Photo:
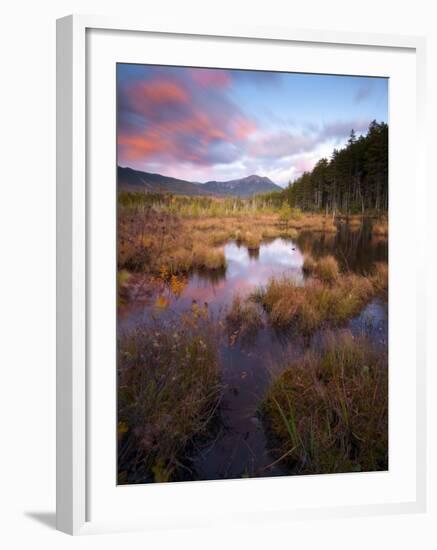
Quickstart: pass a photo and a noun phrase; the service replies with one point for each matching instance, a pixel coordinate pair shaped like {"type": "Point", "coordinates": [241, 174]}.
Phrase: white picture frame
{"type": "Point", "coordinates": [74, 460]}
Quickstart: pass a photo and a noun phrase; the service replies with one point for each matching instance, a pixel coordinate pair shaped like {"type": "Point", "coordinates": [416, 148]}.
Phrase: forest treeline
{"type": "Point", "coordinates": [354, 180]}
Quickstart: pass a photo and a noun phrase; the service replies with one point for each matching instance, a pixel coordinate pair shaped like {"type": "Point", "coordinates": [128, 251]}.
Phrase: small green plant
{"type": "Point", "coordinates": [285, 213]}
{"type": "Point", "coordinates": [296, 213]}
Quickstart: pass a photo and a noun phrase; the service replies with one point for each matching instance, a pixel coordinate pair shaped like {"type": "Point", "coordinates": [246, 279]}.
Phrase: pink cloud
{"type": "Point", "coordinates": [158, 92]}
{"type": "Point", "coordinates": [169, 119]}
{"type": "Point", "coordinates": [133, 147]}
{"type": "Point", "coordinates": [211, 78]}
{"type": "Point", "coordinates": [243, 127]}
{"type": "Point", "coordinates": [304, 164]}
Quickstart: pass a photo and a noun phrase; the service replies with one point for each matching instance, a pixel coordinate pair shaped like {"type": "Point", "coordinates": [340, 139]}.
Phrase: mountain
{"type": "Point", "coordinates": [134, 180]}
{"type": "Point", "coordinates": [243, 187]}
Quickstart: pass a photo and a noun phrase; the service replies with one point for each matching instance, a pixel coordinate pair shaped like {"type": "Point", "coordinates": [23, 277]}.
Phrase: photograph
{"type": "Point", "coordinates": [252, 273]}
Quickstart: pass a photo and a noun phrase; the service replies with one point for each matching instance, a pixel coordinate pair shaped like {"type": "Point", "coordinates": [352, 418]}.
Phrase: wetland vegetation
{"type": "Point", "coordinates": [245, 348]}
{"type": "Point", "coordinates": [252, 274]}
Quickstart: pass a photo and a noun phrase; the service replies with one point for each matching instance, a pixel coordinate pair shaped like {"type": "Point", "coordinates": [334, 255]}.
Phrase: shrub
{"type": "Point", "coordinates": [296, 213]}
{"type": "Point", "coordinates": [285, 213]}
{"type": "Point", "coordinates": [144, 235]}
{"type": "Point", "coordinates": [328, 412]}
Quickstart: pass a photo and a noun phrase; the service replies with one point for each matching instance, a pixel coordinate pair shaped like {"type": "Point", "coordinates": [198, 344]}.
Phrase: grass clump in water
{"type": "Point", "coordinates": [252, 240]}
{"type": "Point", "coordinates": [205, 257]}
{"type": "Point", "coordinates": [218, 237]}
{"type": "Point", "coordinates": [315, 304]}
{"type": "Point", "coordinates": [328, 412]}
{"type": "Point", "coordinates": [178, 261]}
{"type": "Point", "coordinates": [379, 279]}
{"type": "Point", "coordinates": [326, 269]}
{"type": "Point", "coordinates": [309, 264]}
{"type": "Point", "coordinates": [169, 390]}
{"type": "Point", "coordinates": [313, 222]}
{"type": "Point", "coordinates": [243, 320]}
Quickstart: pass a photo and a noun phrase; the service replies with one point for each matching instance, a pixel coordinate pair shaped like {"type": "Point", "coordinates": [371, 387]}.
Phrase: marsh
{"type": "Point", "coordinates": [252, 354]}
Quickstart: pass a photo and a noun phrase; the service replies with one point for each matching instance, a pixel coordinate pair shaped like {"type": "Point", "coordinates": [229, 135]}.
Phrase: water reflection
{"type": "Point", "coordinates": [245, 271]}
{"type": "Point", "coordinates": [253, 253]}
{"type": "Point", "coordinates": [241, 448]}
{"type": "Point", "coordinates": [355, 249]}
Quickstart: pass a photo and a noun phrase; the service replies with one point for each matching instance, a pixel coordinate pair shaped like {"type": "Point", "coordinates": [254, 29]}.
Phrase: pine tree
{"type": "Point", "coordinates": [354, 180]}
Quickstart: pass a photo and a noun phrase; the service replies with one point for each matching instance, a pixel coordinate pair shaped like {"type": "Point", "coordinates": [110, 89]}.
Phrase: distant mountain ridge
{"type": "Point", "coordinates": [135, 180]}
{"type": "Point", "coordinates": [243, 187]}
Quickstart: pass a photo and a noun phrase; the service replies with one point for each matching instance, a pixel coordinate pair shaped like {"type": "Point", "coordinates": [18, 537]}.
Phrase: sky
{"type": "Point", "coordinates": [201, 124]}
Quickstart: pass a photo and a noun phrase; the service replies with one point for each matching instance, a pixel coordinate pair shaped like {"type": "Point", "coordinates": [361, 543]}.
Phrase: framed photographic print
{"type": "Point", "coordinates": [240, 275]}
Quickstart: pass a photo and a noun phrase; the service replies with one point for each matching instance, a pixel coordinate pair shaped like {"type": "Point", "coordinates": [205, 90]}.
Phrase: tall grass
{"type": "Point", "coordinates": [208, 258]}
{"type": "Point", "coordinates": [316, 304]}
{"type": "Point", "coordinates": [156, 231]}
{"type": "Point", "coordinates": [379, 278]}
{"type": "Point", "coordinates": [252, 240]}
{"type": "Point", "coordinates": [326, 269]}
{"type": "Point", "coordinates": [243, 320]}
{"type": "Point", "coordinates": [152, 241]}
{"type": "Point", "coordinates": [328, 412]}
{"type": "Point", "coordinates": [309, 264]}
{"type": "Point", "coordinates": [168, 393]}
{"type": "Point", "coordinates": [313, 222]}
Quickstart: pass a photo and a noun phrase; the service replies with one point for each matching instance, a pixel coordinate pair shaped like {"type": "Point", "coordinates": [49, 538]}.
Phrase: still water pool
{"type": "Point", "coordinates": [240, 447]}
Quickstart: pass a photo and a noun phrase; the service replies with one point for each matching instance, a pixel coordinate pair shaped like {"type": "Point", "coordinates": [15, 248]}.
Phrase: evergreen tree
{"type": "Point", "coordinates": [354, 180]}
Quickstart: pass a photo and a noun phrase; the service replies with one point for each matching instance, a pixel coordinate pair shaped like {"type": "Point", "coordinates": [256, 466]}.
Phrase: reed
{"type": "Point", "coordinates": [328, 411]}
{"type": "Point", "coordinates": [326, 269]}
{"type": "Point", "coordinates": [315, 304]}
{"type": "Point", "coordinates": [243, 320]}
{"type": "Point", "coordinates": [169, 390]}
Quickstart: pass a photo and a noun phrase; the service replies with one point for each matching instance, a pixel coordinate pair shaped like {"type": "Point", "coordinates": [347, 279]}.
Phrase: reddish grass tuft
{"type": "Point", "coordinates": [328, 412]}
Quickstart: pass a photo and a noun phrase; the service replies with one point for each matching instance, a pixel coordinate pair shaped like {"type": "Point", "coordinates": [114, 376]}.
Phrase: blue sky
{"type": "Point", "coordinates": [219, 124]}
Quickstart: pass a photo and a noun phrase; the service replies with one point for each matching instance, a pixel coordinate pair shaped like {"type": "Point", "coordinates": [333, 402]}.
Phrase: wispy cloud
{"type": "Point", "coordinates": [201, 124]}
{"type": "Point", "coordinates": [363, 92]}
{"type": "Point", "coordinates": [181, 120]}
